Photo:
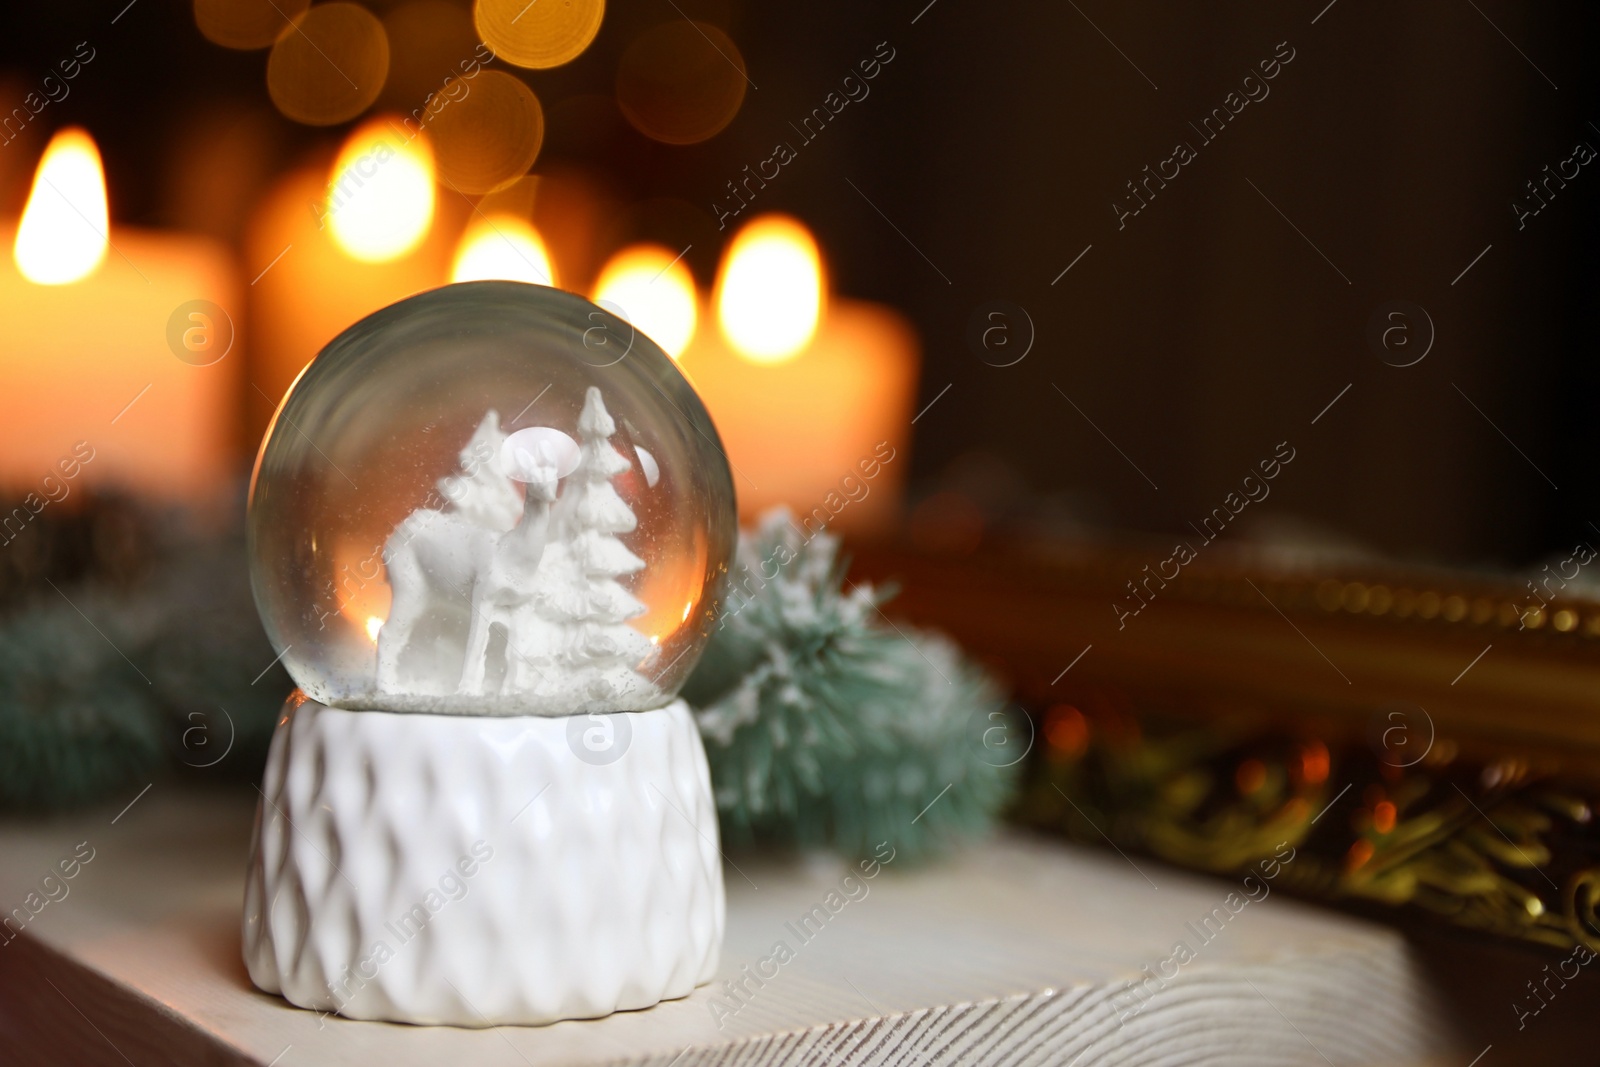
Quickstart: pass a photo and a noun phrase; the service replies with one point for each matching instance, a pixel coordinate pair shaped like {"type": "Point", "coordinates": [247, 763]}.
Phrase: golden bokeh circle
{"type": "Point", "coordinates": [538, 33]}
{"type": "Point", "coordinates": [330, 65]}
{"type": "Point", "coordinates": [490, 137]}
{"type": "Point", "coordinates": [681, 82]}
{"type": "Point", "coordinates": [246, 24]}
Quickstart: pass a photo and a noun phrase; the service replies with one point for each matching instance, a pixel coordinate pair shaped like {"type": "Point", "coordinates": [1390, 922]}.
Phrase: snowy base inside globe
{"type": "Point", "coordinates": [558, 703]}
{"type": "Point", "coordinates": [483, 870]}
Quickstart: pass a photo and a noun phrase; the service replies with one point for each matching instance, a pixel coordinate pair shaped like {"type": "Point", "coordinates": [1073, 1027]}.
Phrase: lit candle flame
{"type": "Point", "coordinates": [656, 293]}
{"type": "Point", "coordinates": [769, 294]}
{"type": "Point", "coordinates": [381, 194]}
{"type": "Point", "coordinates": [64, 230]}
{"type": "Point", "coordinates": [374, 624]}
{"type": "Point", "coordinates": [502, 248]}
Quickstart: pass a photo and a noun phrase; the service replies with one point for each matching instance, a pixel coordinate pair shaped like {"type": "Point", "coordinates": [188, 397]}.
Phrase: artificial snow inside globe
{"type": "Point", "coordinates": [487, 529]}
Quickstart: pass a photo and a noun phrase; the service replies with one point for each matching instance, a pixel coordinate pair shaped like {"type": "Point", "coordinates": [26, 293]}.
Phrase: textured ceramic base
{"type": "Point", "coordinates": [479, 871]}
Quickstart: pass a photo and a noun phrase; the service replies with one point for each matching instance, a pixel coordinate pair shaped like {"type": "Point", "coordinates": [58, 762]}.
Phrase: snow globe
{"type": "Point", "coordinates": [487, 528]}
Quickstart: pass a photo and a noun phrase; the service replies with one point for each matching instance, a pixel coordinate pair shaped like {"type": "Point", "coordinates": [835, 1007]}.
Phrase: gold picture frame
{"type": "Point", "coordinates": [1427, 739]}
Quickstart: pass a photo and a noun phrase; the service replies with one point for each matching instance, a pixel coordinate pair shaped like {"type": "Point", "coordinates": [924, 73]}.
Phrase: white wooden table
{"type": "Point", "coordinates": [1019, 951]}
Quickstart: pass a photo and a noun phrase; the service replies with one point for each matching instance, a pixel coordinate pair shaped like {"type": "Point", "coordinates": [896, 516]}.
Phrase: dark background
{"type": "Point", "coordinates": [1196, 338]}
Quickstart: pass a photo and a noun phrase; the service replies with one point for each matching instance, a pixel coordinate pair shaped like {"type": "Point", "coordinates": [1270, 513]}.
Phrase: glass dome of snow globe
{"type": "Point", "coordinates": [492, 498]}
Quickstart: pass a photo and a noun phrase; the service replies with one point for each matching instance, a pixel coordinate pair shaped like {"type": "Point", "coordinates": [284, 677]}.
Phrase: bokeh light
{"type": "Point", "coordinates": [502, 248]}
{"type": "Point", "coordinates": [381, 194]}
{"type": "Point", "coordinates": [490, 137]}
{"type": "Point", "coordinates": [656, 293]}
{"type": "Point", "coordinates": [681, 82]}
{"type": "Point", "coordinates": [330, 65]}
{"type": "Point", "coordinates": [538, 35]}
{"type": "Point", "coordinates": [769, 290]}
{"type": "Point", "coordinates": [246, 24]}
{"type": "Point", "coordinates": [65, 226]}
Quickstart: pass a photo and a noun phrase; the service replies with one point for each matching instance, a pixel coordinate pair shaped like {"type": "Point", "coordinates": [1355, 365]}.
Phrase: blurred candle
{"type": "Point", "coordinates": [654, 291]}
{"type": "Point", "coordinates": [118, 349]}
{"type": "Point", "coordinates": [502, 247]}
{"type": "Point", "coordinates": [332, 245]}
{"type": "Point", "coordinates": [812, 395]}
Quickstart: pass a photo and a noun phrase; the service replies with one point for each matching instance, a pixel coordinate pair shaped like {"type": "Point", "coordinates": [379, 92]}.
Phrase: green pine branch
{"type": "Point", "coordinates": [826, 726]}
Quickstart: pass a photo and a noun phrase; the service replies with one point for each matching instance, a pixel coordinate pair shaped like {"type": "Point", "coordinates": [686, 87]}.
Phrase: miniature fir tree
{"type": "Point", "coordinates": [584, 595]}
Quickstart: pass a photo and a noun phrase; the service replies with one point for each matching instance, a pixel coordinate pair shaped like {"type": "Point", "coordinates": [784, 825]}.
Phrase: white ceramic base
{"type": "Point", "coordinates": [480, 871]}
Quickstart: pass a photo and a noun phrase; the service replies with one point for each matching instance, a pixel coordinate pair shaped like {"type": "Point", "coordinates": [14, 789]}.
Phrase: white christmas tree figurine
{"type": "Point", "coordinates": [574, 635]}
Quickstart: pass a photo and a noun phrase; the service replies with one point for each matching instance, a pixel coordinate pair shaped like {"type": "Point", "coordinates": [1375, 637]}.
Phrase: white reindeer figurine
{"type": "Point", "coordinates": [503, 581]}
{"type": "Point", "coordinates": [437, 559]}
{"type": "Point", "coordinates": [431, 555]}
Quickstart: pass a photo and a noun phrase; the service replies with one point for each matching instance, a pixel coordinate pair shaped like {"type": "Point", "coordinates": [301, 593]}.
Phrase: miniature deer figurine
{"type": "Point", "coordinates": [431, 555]}
{"type": "Point", "coordinates": [504, 580]}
